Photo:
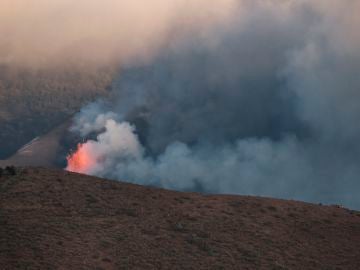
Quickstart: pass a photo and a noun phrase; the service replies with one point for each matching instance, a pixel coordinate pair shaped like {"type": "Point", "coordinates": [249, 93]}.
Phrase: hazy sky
{"type": "Point", "coordinates": [40, 33]}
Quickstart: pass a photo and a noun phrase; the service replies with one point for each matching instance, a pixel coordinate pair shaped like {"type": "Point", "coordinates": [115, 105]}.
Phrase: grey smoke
{"type": "Point", "coordinates": [266, 105]}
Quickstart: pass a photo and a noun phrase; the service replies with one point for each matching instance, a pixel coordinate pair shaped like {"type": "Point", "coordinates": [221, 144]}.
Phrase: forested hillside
{"type": "Point", "coordinates": [33, 102]}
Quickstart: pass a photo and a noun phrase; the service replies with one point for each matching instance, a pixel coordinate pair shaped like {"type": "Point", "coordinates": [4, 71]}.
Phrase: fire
{"type": "Point", "coordinates": [81, 160]}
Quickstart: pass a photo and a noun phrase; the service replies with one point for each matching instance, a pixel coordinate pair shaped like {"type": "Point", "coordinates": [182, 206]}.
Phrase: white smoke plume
{"type": "Point", "coordinates": [243, 165]}
{"type": "Point", "coordinates": [266, 103]}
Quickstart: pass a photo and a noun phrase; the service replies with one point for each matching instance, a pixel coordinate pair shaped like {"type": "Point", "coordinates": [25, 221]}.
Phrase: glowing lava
{"type": "Point", "coordinates": [81, 161]}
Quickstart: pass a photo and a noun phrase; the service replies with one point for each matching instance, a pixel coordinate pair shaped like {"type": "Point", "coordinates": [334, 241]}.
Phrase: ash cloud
{"type": "Point", "coordinates": [265, 104]}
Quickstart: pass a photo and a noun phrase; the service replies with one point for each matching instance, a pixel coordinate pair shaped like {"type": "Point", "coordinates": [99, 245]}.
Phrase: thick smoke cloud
{"type": "Point", "coordinates": [83, 33]}
{"type": "Point", "coordinates": [266, 104]}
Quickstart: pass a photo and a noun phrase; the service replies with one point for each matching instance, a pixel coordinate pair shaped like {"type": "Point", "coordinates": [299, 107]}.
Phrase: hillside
{"type": "Point", "coordinates": [34, 102]}
{"type": "Point", "coordinates": [42, 151]}
{"type": "Point", "coordinates": [53, 219]}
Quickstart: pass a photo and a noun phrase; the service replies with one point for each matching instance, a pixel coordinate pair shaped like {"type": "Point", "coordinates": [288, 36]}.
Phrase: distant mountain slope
{"type": "Point", "coordinates": [59, 220]}
{"type": "Point", "coordinates": [41, 151]}
{"type": "Point", "coordinates": [34, 102]}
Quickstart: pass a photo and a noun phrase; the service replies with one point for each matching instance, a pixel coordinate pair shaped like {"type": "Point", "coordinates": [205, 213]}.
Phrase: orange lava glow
{"type": "Point", "coordinates": [81, 160]}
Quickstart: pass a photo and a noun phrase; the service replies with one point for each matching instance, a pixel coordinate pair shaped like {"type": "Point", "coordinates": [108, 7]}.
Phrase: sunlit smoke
{"type": "Point", "coordinates": [82, 33]}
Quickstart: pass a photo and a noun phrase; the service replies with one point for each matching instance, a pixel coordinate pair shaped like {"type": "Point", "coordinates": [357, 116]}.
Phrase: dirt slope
{"type": "Point", "coordinates": [53, 219]}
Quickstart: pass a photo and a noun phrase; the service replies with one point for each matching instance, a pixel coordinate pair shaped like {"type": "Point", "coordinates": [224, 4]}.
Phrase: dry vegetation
{"type": "Point", "coordinates": [58, 220]}
{"type": "Point", "coordinates": [33, 102]}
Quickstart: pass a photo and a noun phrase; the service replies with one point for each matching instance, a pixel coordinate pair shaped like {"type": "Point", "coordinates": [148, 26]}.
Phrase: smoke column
{"type": "Point", "coordinates": [266, 103]}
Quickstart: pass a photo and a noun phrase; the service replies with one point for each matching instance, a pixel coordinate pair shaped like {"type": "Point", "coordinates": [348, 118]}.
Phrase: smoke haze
{"type": "Point", "coordinates": [247, 97]}
{"type": "Point", "coordinates": [58, 33]}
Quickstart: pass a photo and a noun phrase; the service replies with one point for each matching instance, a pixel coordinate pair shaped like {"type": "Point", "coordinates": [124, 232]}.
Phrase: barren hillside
{"type": "Point", "coordinates": [53, 219]}
{"type": "Point", "coordinates": [34, 102]}
{"type": "Point", "coordinates": [41, 151]}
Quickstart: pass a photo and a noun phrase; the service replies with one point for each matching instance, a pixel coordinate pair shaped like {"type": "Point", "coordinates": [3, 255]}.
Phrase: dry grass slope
{"type": "Point", "coordinates": [53, 219]}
